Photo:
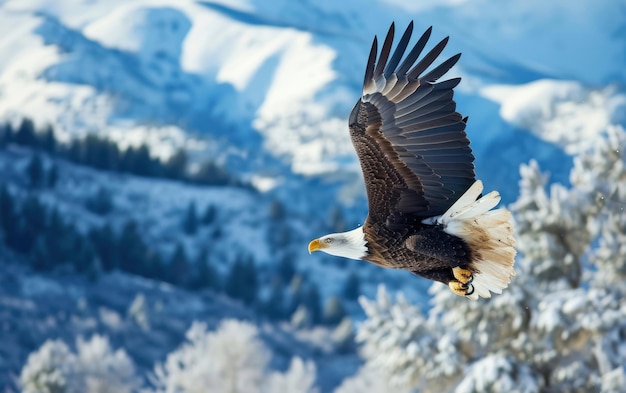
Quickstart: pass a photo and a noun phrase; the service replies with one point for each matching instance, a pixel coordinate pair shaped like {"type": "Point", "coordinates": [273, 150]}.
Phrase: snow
{"type": "Point", "coordinates": [499, 374]}
{"type": "Point", "coordinates": [563, 112]}
{"type": "Point", "coordinates": [300, 377]}
{"type": "Point", "coordinates": [164, 141]}
{"type": "Point", "coordinates": [95, 367]}
{"type": "Point", "coordinates": [232, 358]}
{"type": "Point", "coordinates": [36, 285]}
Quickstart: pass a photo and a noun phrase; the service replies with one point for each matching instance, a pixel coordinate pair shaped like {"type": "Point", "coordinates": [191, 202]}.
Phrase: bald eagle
{"type": "Point", "coordinates": [426, 213]}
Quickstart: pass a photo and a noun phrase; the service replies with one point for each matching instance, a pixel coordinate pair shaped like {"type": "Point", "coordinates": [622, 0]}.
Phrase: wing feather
{"type": "Point", "coordinates": [384, 53]}
{"type": "Point", "coordinates": [368, 81]}
{"type": "Point", "coordinates": [399, 51]}
{"type": "Point", "coordinates": [428, 60]}
{"type": "Point", "coordinates": [441, 69]}
{"type": "Point", "coordinates": [415, 52]}
{"type": "Point", "coordinates": [410, 139]}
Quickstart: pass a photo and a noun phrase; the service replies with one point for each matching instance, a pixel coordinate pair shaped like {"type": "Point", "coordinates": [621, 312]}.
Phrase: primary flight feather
{"type": "Point", "coordinates": [426, 211]}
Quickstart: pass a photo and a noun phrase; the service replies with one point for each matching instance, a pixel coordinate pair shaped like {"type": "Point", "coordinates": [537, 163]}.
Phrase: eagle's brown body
{"type": "Point", "coordinates": [428, 262]}
{"type": "Point", "coordinates": [396, 236]}
{"type": "Point", "coordinates": [426, 214]}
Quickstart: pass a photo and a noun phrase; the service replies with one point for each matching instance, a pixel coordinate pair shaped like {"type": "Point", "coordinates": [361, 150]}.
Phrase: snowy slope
{"type": "Point", "coordinates": [242, 226]}
{"type": "Point", "coordinates": [146, 319]}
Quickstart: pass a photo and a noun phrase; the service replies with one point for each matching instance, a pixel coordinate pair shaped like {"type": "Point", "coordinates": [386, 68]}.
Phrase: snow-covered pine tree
{"type": "Point", "coordinates": [231, 359]}
{"type": "Point", "coordinates": [370, 379]}
{"type": "Point", "coordinates": [95, 368]}
{"type": "Point", "coordinates": [561, 324]}
{"type": "Point", "coordinates": [50, 369]}
{"type": "Point", "coordinates": [299, 378]}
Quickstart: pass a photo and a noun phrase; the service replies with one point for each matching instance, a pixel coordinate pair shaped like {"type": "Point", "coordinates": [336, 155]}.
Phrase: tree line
{"type": "Point", "coordinates": [102, 153]}
{"type": "Point", "coordinates": [48, 240]}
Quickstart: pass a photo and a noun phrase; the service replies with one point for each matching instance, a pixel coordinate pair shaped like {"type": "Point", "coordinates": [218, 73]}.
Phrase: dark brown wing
{"type": "Point", "coordinates": [410, 140]}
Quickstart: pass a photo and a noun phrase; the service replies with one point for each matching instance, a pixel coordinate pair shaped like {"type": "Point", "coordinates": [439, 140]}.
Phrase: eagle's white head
{"type": "Point", "coordinates": [351, 244]}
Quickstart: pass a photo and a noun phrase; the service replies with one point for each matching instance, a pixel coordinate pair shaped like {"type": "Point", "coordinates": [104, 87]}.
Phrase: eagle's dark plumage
{"type": "Point", "coordinates": [425, 210]}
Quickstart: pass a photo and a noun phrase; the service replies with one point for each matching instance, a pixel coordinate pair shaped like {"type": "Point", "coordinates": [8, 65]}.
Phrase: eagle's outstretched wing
{"type": "Point", "coordinates": [410, 140]}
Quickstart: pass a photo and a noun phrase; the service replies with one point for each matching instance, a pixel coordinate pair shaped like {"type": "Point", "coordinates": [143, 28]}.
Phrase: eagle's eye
{"type": "Point", "coordinates": [328, 240]}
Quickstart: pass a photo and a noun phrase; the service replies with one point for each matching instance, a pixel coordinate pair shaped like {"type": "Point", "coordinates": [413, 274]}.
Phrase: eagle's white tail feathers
{"type": "Point", "coordinates": [488, 233]}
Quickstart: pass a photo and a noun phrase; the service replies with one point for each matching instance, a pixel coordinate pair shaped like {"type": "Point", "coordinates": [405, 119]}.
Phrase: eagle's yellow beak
{"type": "Point", "coordinates": [316, 245]}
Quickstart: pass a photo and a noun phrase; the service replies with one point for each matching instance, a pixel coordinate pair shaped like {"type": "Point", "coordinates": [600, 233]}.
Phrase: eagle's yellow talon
{"type": "Point", "coordinates": [457, 287]}
{"type": "Point", "coordinates": [460, 288]}
{"type": "Point", "coordinates": [464, 276]}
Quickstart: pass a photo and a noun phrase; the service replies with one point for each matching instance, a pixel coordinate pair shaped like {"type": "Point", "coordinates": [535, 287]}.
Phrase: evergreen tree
{"type": "Point", "coordinates": [84, 259]}
{"type": "Point", "coordinates": [277, 210]}
{"type": "Point", "coordinates": [35, 171]}
{"type": "Point", "coordinates": [190, 221]}
{"type": "Point", "coordinates": [205, 275]}
{"type": "Point", "coordinates": [242, 281]}
{"type": "Point", "coordinates": [40, 256]}
{"type": "Point", "coordinates": [155, 266]}
{"type": "Point", "coordinates": [53, 242]}
{"type": "Point", "coordinates": [286, 268]}
{"type": "Point", "coordinates": [233, 280]}
{"type": "Point", "coordinates": [132, 249]}
{"type": "Point", "coordinates": [48, 141]}
{"type": "Point", "coordinates": [99, 153]}
{"type": "Point", "coordinates": [128, 160]}
{"type": "Point", "coordinates": [210, 173]}
{"type": "Point", "coordinates": [59, 237]}
{"type": "Point", "coordinates": [143, 164]}
{"type": "Point", "coordinates": [105, 246]}
{"type": "Point", "coordinates": [73, 151]}
{"type": "Point", "coordinates": [279, 234]}
{"type": "Point", "coordinates": [101, 202]}
{"type": "Point", "coordinates": [8, 216]}
{"type": "Point", "coordinates": [53, 176]}
{"type": "Point", "coordinates": [352, 287]}
{"type": "Point", "coordinates": [77, 252]}
{"type": "Point", "coordinates": [25, 134]}
{"type": "Point", "coordinates": [31, 222]}
{"type": "Point", "coordinates": [312, 301]}
{"type": "Point", "coordinates": [250, 280]}
{"type": "Point", "coordinates": [176, 165]}
{"type": "Point", "coordinates": [208, 217]}
{"type": "Point", "coordinates": [273, 305]}
{"type": "Point", "coordinates": [6, 134]}
{"type": "Point", "coordinates": [179, 267]}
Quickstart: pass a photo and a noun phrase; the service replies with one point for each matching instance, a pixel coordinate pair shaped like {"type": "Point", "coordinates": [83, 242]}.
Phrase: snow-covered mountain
{"type": "Point", "coordinates": [264, 88]}
{"type": "Point", "coordinates": [268, 85]}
